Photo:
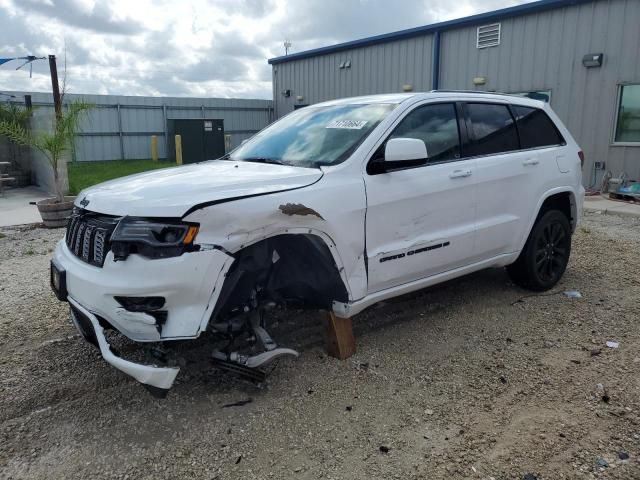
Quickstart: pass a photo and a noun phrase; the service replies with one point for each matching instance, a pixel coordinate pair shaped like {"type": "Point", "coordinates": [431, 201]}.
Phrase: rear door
{"type": "Point", "coordinates": [420, 221]}
{"type": "Point", "coordinates": [515, 164]}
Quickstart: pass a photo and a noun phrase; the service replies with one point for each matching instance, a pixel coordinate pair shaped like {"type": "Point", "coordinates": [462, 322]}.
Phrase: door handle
{"type": "Point", "coordinates": [530, 161]}
{"type": "Point", "coordinates": [460, 174]}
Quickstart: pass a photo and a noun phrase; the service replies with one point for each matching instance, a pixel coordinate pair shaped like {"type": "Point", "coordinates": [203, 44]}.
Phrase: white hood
{"type": "Point", "coordinates": [171, 192]}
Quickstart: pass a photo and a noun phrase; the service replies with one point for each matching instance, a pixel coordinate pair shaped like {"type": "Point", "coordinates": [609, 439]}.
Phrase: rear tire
{"type": "Point", "coordinates": [544, 257]}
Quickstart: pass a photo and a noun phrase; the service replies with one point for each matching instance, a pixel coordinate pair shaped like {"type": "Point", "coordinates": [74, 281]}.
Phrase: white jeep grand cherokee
{"type": "Point", "coordinates": [336, 206]}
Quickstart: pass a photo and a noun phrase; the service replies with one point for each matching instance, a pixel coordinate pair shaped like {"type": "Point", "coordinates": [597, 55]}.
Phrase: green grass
{"type": "Point", "coordinates": [86, 174]}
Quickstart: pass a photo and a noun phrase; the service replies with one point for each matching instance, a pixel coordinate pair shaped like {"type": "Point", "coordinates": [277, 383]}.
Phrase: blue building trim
{"type": "Point", "coordinates": [435, 61]}
{"type": "Point", "coordinates": [496, 15]}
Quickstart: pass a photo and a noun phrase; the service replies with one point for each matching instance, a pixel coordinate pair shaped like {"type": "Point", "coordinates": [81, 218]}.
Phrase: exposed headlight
{"type": "Point", "coordinates": [152, 238]}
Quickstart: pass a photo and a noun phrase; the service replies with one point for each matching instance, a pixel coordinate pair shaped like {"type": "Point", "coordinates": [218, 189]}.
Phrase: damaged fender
{"type": "Point", "coordinates": [310, 222]}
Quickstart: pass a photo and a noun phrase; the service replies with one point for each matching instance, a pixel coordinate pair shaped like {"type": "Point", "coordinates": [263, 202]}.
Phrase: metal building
{"type": "Point", "coordinates": [581, 55]}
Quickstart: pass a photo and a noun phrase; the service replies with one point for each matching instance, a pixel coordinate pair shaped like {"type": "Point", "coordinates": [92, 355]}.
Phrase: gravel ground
{"type": "Point", "coordinates": [472, 379]}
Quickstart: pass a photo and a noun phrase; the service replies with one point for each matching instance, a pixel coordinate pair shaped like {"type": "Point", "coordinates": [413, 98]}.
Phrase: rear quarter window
{"type": "Point", "coordinates": [535, 127]}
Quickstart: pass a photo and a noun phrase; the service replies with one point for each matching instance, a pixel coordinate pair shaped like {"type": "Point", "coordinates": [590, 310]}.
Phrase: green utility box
{"type": "Point", "coordinates": [202, 138]}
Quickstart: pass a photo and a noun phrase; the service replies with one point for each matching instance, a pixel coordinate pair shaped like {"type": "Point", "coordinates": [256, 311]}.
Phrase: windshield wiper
{"type": "Point", "coordinates": [274, 161]}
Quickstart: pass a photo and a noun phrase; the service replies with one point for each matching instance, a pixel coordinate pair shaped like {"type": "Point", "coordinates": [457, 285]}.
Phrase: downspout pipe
{"type": "Point", "coordinates": [435, 61]}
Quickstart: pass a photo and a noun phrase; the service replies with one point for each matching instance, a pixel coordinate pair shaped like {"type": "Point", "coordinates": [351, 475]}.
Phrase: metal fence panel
{"type": "Point", "coordinates": [120, 127]}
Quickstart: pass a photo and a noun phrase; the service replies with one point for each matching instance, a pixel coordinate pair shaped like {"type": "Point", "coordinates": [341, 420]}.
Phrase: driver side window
{"type": "Point", "coordinates": [437, 126]}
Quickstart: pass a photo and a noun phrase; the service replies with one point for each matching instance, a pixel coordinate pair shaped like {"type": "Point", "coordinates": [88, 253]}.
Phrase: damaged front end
{"type": "Point", "coordinates": [152, 282]}
{"type": "Point", "coordinates": [144, 278]}
{"type": "Point", "coordinates": [287, 271]}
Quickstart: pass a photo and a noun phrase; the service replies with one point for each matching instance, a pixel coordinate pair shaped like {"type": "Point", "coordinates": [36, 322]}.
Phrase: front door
{"type": "Point", "coordinates": [420, 221]}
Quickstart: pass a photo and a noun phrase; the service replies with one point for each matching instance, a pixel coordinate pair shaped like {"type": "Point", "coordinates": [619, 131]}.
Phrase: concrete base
{"type": "Point", "coordinates": [604, 205]}
{"type": "Point", "coordinates": [15, 208]}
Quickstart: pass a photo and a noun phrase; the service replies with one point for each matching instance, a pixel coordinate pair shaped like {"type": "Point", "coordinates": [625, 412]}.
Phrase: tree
{"type": "Point", "coordinates": [53, 145]}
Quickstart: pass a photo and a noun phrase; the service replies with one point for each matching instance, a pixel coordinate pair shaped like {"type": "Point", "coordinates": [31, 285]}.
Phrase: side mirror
{"type": "Point", "coordinates": [399, 153]}
{"type": "Point", "coordinates": [404, 150]}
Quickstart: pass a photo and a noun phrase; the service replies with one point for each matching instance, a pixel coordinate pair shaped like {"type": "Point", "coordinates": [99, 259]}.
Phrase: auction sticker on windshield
{"type": "Point", "coordinates": [349, 124]}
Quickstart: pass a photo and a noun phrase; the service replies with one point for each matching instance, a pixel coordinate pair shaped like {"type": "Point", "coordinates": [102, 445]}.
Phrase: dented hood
{"type": "Point", "coordinates": [172, 192]}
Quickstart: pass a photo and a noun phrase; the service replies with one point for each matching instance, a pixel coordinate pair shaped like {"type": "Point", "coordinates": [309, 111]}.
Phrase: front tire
{"type": "Point", "coordinates": [544, 257]}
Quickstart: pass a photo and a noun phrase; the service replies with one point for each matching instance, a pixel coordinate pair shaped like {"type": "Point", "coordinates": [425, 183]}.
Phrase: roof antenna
{"type": "Point", "coordinates": [287, 46]}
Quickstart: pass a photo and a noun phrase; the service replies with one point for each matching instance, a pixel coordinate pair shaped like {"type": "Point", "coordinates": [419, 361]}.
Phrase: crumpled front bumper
{"type": "Point", "coordinates": [190, 285]}
{"type": "Point", "coordinates": [159, 379]}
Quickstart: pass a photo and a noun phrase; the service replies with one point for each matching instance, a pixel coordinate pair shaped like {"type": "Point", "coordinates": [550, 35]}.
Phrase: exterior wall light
{"type": "Point", "coordinates": [591, 60]}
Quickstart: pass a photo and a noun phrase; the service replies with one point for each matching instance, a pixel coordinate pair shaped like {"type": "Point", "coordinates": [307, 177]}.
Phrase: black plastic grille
{"type": "Point", "coordinates": [88, 236]}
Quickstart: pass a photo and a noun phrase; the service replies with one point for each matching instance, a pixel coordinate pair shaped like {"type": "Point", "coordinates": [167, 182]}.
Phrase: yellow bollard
{"type": "Point", "coordinates": [178, 149]}
{"type": "Point", "coordinates": [154, 148]}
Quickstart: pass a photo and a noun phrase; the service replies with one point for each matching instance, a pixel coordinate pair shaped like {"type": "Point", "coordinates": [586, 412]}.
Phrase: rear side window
{"type": "Point", "coordinates": [437, 126]}
{"type": "Point", "coordinates": [536, 128]}
{"type": "Point", "coordinates": [493, 128]}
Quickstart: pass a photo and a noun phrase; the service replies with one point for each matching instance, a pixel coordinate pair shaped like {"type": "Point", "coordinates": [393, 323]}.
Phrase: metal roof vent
{"type": "Point", "coordinates": [488, 36]}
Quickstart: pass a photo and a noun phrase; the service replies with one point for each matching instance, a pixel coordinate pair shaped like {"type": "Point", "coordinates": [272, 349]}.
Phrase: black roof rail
{"type": "Point", "coordinates": [471, 91]}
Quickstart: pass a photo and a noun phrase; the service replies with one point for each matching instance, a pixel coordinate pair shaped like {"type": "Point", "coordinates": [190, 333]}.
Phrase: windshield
{"type": "Point", "coordinates": [313, 136]}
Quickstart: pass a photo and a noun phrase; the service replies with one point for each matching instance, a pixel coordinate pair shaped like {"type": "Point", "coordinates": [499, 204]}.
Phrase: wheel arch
{"type": "Point", "coordinates": [563, 200]}
{"type": "Point", "coordinates": [560, 198]}
{"type": "Point", "coordinates": [296, 263]}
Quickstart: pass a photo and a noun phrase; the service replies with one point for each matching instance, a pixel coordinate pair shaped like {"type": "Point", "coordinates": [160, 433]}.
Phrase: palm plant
{"type": "Point", "coordinates": [53, 145]}
{"type": "Point", "coordinates": [13, 112]}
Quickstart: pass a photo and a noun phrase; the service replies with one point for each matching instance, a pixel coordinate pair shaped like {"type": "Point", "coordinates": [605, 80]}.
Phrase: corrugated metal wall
{"type": "Point", "coordinates": [374, 69]}
{"type": "Point", "coordinates": [540, 51]}
{"type": "Point", "coordinates": [544, 51]}
{"type": "Point", "coordinates": [120, 127]}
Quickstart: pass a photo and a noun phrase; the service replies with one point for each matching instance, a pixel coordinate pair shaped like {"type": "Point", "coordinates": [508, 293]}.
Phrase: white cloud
{"type": "Point", "coordinates": [192, 47]}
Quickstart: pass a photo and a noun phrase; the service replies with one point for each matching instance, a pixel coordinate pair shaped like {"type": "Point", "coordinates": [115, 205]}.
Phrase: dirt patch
{"type": "Point", "coordinates": [472, 379]}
